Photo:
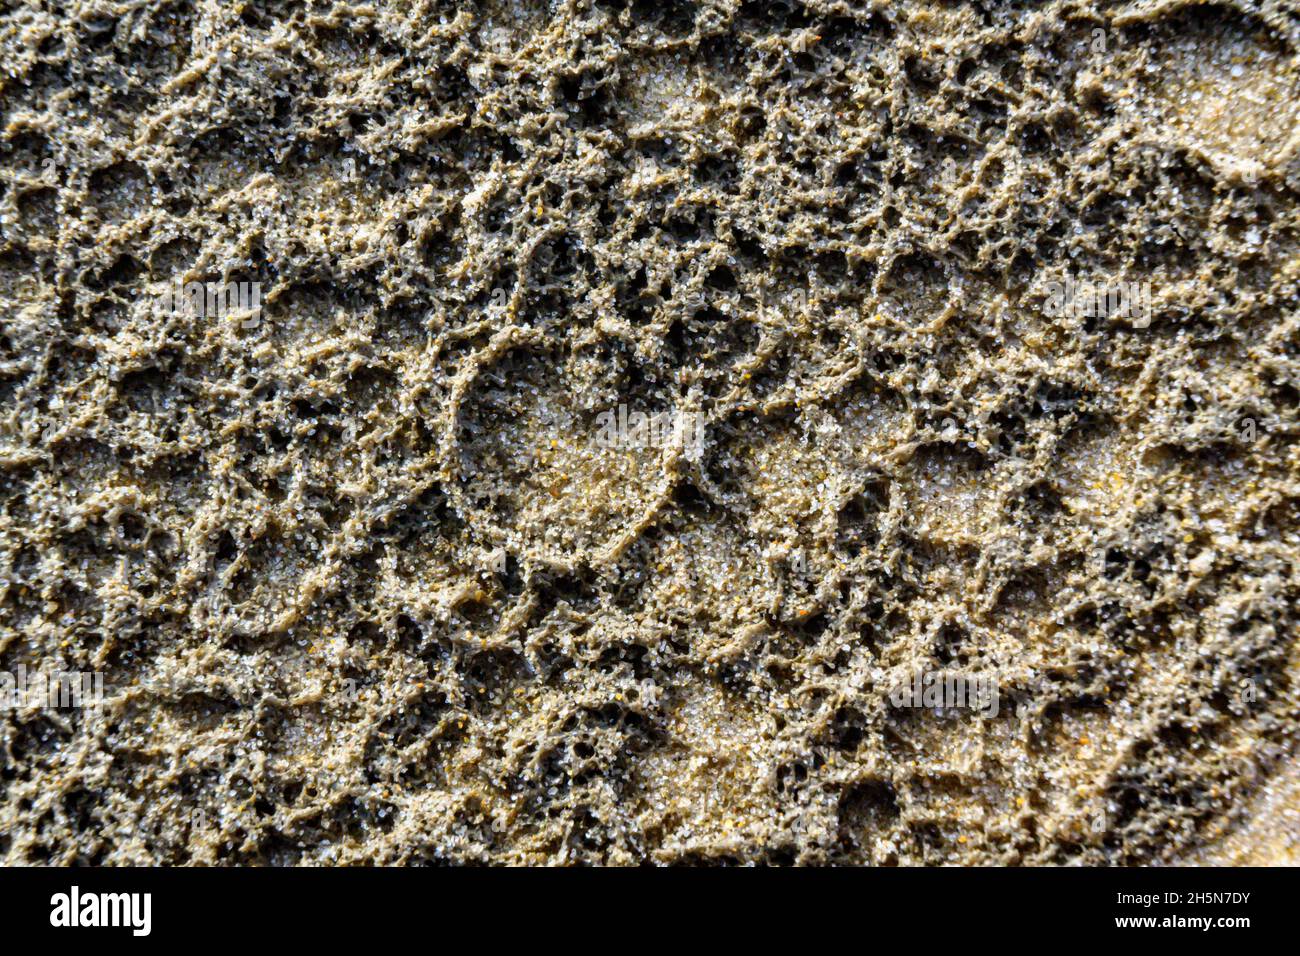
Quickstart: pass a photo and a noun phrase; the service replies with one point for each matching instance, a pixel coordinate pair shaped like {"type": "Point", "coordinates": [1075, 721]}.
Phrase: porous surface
{"type": "Point", "coordinates": [366, 587]}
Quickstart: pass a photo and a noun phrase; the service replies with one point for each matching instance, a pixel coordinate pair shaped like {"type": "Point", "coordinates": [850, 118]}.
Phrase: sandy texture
{"type": "Point", "coordinates": [367, 585]}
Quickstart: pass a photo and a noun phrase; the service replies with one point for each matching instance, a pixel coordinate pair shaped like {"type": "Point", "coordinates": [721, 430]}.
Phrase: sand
{"type": "Point", "coordinates": [386, 566]}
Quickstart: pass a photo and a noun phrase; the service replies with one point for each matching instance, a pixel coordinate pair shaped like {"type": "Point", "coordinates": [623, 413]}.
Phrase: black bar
{"type": "Point", "coordinates": [548, 907]}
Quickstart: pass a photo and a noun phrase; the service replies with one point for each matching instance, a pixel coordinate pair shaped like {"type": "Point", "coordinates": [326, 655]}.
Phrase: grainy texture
{"type": "Point", "coordinates": [828, 229]}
